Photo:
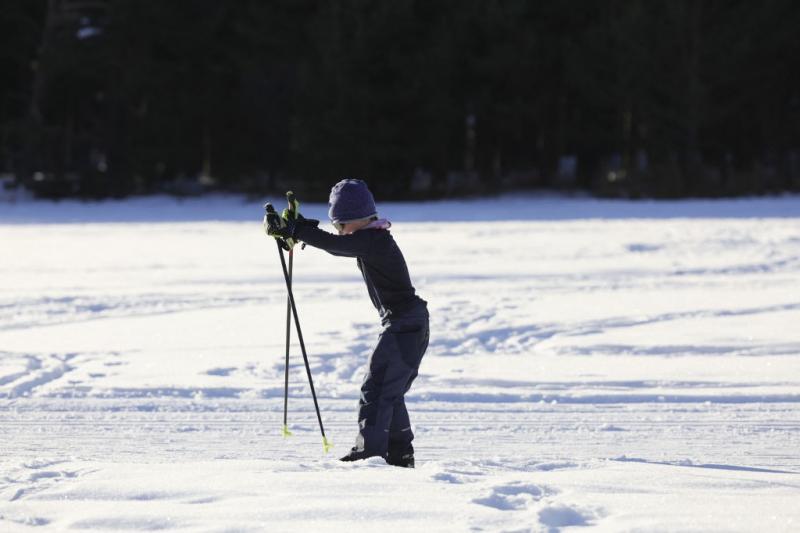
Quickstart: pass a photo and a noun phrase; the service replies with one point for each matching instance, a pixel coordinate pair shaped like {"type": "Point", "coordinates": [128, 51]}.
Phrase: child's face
{"type": "Point", "coordinates": [350, 227]}
{"type": "Point", "coordinates": [346, 229]}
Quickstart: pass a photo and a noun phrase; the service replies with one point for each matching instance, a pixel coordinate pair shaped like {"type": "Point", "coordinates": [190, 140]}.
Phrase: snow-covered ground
{"type": "Point", "coordinates": [622, 366]}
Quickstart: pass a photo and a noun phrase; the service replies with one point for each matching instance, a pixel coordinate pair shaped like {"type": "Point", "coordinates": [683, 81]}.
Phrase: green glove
{"type": "Point", "coordinates": [289, 219]}
{"type": "Point", "coordinates": [278, 227]}
{"type": "Point", "coordinates": [283, 226]}
{"type": "Point", "coordinates": [291, 213]}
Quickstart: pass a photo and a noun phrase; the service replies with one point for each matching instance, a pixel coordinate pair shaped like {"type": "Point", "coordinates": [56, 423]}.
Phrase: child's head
{"type": "Point", "coordinates": [351, 200]}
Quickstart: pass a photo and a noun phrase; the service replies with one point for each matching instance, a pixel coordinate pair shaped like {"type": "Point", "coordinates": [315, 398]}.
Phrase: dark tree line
{"type": "Point", "coordinates": [423, 98]}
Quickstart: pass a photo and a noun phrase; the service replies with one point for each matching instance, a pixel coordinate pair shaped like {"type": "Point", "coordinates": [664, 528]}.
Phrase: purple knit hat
{"type": "Point", "coordinates": [351, 200]}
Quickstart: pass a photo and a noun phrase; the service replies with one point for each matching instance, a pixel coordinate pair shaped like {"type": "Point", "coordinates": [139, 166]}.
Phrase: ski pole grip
{"type": "Point", "coordinates": [271, 218]}
{"type": "Point", "coordinates": [292, 202]}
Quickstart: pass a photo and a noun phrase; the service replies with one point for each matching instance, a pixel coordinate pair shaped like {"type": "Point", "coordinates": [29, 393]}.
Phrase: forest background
{"type": "Point", "coordinates": [422, 98]}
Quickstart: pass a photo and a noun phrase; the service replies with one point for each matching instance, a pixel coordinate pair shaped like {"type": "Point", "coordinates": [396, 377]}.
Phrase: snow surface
{"type": "Point", "coordinates": [593, 364]}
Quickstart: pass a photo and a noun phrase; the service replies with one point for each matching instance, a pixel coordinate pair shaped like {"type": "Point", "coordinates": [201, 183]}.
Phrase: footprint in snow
{"type": "Point", "coordinates": [551, 466]}
{"type": "Point", "coordinates": [447, 478]}
{"type": "Point", "coordinates": [555, 517]}
{"type": "Point", "coordinates": [37, 481]}
{"type": "Point", "coordinates": [525, 497]}
{"type": "Point", "coordinates": [456, 472]}
{"type": "Point", "coordinates": [220, 371]}
{"type": "Point", "coordinates": [26, 520]}
{"type": "Point", "coordinates": [512, 497]}
{"type": "Point", "coordinates": [42, 463]}
{"type": "Point", "coordinates": [50, 474]}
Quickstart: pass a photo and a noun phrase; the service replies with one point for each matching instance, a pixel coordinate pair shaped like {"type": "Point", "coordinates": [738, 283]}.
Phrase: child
{"type": "Point", "coordinates": [384, 427]}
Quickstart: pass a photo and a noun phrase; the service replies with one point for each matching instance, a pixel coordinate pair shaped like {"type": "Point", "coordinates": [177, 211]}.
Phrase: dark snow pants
{"type": "Point", "coordinates": [383, 421]}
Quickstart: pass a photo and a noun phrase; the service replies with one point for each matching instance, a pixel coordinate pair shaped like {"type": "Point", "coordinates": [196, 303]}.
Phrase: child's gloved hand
{"type": "Point", "coordinates": [292, 217]}
{"type": "Point", "coordinates": [281, 229]}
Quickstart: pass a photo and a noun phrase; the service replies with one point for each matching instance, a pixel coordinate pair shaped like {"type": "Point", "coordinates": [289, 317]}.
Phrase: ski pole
{"type": "Point", "coordinates": [285, 432]}
{"type": "Point", "coordinates": [326, 445]}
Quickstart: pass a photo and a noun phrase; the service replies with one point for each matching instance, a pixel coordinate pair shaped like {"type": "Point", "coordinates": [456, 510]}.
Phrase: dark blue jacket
{"type": "Point", "coordinates": [380, 261]}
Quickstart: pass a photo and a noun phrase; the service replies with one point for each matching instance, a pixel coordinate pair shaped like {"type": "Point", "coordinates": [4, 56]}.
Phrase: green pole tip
{"type": "Point", "coordinates": [326, 444]}
{"type": "Point", "coordinates": [285, 432]}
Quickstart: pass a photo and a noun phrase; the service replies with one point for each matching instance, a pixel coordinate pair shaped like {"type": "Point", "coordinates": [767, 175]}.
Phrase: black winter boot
{"type": "Point", "coordinates": [405, 461]}
{"type": "Point", "coordinates": [403, 458]}
{"type": "Point", "coordinates": [356, 455]}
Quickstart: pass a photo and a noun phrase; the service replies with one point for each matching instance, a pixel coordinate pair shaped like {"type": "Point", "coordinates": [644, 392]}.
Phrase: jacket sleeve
{"type": "Point", "coordinates": [353, 245]}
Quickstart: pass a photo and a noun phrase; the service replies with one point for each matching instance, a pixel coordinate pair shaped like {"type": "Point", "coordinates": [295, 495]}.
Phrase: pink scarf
{"type": "Point", "coordinates": [378, 224]}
